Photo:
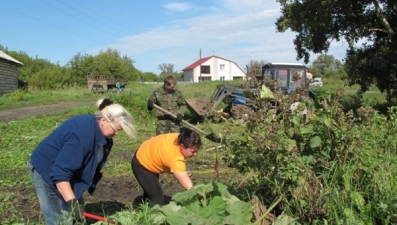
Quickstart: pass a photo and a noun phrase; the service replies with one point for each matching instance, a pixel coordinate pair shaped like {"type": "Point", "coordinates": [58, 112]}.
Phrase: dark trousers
{"type": "Point", "coordinates": [167, 126]}
{"type": "Point", "coordinates": [149, 182]}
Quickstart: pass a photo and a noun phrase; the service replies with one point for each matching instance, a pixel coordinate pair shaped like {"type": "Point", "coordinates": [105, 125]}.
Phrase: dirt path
{"type": "Point", "coordinates": [19, 113]}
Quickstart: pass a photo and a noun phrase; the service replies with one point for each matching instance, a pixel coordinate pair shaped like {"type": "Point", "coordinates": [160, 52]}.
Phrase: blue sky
{"type": "Point", "coordinates": [151, 32]}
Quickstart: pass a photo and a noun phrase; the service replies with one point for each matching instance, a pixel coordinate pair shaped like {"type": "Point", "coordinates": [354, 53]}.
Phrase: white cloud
{"type": "Point", "coordinates": [178, 6]}
{"type": "Point", "coordinates": [242, 30]}
{"type": "Point", "coordinates": [247, 5]}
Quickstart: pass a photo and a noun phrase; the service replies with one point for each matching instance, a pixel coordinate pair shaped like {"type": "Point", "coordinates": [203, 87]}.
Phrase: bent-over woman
{"type": "Point", "coordinates": [68, 162]}
{"type": "Point", "coordinates": [164, 153]}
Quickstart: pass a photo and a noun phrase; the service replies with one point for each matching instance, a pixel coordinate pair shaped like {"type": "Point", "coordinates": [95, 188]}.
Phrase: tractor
{"type": "Point", "coordinates": [260, 90]}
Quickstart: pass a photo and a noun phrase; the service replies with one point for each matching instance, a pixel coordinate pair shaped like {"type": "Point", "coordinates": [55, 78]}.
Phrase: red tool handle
{"type": "Point", "coordinates": [98, 218]}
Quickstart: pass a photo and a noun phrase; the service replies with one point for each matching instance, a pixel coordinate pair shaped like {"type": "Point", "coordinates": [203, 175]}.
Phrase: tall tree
{"type": "Point", "coordinates": [40, 73]}
{"type": "Point", "coordinates": [79, 66]}
{"type": "Point", "coordinates": [254, 68]}
{"type": "Point", "coordinates": [166, 68]}
{"type": "Point", "coordinates": [109, 63]}
{"type": "Point", "coordinates": [255, 65]}
{"type": "Point", "coordinates": [327, 65]}
{"type": "Point", "coordinates": [368, 27]}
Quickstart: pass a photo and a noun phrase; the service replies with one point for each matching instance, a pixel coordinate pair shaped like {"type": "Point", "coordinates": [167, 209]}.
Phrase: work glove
{"type": "Point", "coordinates": [179, 117]}
{"type": "Point", "coordinates": [75, 209]}
{"type": "Point", "coordinates": [95, 181]}
{"type": "Point", "coordinates": [150, 105]}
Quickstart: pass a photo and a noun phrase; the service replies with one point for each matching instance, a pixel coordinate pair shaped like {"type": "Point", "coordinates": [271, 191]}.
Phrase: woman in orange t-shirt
{"type": "Point", "coordinates": [164, 153]}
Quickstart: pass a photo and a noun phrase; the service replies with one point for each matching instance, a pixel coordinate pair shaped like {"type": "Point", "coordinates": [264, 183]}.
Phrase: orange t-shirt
{"type": "Point", "coordinates": [161, 154]}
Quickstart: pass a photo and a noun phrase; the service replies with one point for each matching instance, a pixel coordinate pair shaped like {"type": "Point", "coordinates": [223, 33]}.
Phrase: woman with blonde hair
{"type": "Point", "coordinates": [68, 162]}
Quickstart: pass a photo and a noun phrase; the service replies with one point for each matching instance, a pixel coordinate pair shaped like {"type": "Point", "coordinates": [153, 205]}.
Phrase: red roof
{"type": "Point", "coordinates": [203, 60]}
{"type": "Point", "coordinates": [197, 63]}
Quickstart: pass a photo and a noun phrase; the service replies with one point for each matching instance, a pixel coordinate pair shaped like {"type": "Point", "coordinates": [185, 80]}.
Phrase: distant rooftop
{"type": "Point", "coordinates": [203, 60]}
{"type": "Point", "coordinates": [3, 55]}
{"type": "Point", "coordinates": [287, 64]}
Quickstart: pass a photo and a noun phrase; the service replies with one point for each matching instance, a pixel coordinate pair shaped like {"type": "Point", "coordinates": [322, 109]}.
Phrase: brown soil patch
{"type": "Point", "coordinates": [113, 194]}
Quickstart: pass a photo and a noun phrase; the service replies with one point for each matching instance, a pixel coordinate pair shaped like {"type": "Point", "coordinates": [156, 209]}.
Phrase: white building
{"type": "Point", "coordinates": [212, 68]}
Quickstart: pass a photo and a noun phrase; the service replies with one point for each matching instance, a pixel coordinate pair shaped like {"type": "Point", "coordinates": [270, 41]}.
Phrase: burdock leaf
{"type": "Point", "coordinates": [193, 214]}
{"type": "Point", "coordinates": [239, 213]}
{"type": "Point", "coordinates": [315, 142]}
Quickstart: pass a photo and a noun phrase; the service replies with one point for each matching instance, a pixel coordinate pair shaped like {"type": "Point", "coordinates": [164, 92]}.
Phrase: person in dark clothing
{"type": "Point", "coordinates": [68, 162]}
{"type": "Point", "coordinates": [169, 98]}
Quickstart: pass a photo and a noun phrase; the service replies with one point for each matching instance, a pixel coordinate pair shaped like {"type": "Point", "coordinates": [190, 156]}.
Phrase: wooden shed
{"type": "Point", "coordinates": [8, 73]}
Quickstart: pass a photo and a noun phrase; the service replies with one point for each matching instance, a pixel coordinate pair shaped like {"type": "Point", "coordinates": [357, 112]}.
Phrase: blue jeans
{"type": "Point", "coordinates": [51, 204]}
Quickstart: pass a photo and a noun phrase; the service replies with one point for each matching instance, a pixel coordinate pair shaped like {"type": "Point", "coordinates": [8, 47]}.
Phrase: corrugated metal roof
{"type": "Point", "coordinates": [3, 55]}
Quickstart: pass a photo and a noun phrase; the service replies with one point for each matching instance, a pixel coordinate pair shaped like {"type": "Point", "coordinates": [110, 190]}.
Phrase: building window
{"type": "Point", "coordinates": [222, 78]}
{"type": "Point", "coordinates": [205, 69]}
{"type": "Point", "coordinates": [222, 67]}
{"type": "Point", "coordinates": [204, 79]}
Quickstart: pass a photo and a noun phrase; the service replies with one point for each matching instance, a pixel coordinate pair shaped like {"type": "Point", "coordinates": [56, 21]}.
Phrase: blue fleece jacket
{"type": "Point", "coordinates": [70, 153]}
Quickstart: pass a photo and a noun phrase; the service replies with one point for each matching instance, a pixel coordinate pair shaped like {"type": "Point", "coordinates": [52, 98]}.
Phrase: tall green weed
{"type": "Point", "coordinates": [330, 165]}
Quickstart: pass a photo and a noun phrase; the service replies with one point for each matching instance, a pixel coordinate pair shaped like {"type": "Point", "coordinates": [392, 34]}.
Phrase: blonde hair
{"type": "Point", "coordinates": [117, 113]}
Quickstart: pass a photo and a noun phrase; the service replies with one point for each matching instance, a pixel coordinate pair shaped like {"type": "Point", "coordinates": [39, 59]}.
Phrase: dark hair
{"type": "Point", "coordinates": [188, 138]}
{"type": "Point", "coordinates": [169, 80]}
{"type": "Point", "coordinates": [105, 102]}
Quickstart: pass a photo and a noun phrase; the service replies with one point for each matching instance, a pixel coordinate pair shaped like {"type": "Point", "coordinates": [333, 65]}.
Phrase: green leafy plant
{"type": "Point", "coordinates": [206, 203]}
{"type": "Point", "coordinates": [324, 161]}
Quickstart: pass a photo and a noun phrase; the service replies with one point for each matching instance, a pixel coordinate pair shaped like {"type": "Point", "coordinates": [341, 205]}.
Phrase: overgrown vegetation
{"type": "Point", "coordinates": [41, 74]}
{"type": "Point", "coordinates": [335, 165]}
{"type": "Point", "coordinates": [331, 166]}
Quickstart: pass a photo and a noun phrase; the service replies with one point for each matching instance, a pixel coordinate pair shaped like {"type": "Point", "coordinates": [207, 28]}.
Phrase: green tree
{"type": "Point", "coordinates": [254, 69]}
{"type": "Point", "coordinates": [166, 68]}
{"type": "Point", "coordinates": [111, 63]}
{"type": "Point", "coordinates": [372, 23]}
{"type": "Point", "coordinates": [40, 73]}
{"type": "Point", "coordinates": [327, 65]}
{"type": "Point", "coordinates": [148, 76]}
{"type": "Point", "coordinates": [79, 66]}
{"type": "Point", "coordinates": [49, 77]}
{"type": "Point", "coordinates": [28, 67]}
{"type": "Point", "coordinates": [108, 63]}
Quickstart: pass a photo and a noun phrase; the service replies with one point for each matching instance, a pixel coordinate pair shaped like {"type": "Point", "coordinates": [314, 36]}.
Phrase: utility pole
{"type": "Point", "coordinates": [200, 67]}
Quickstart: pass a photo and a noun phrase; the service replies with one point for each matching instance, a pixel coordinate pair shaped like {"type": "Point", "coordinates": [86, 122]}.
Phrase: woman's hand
{"type": "Point", "coordinates": [184, 179]}
{"type": "Point", "coordinates": [66, 190]}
